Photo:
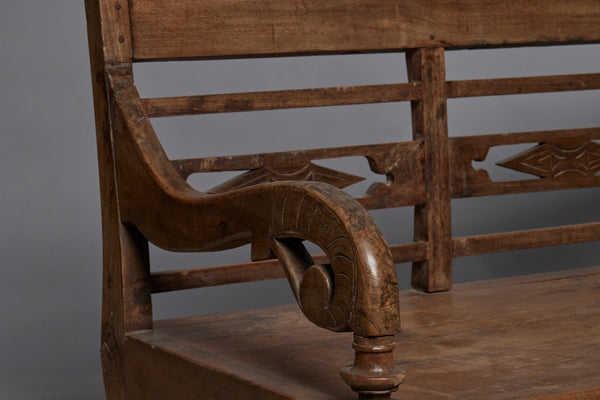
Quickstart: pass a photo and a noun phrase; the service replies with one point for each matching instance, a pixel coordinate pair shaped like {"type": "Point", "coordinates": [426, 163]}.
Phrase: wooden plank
{"type": "Point", "coordinates": [469, 143]}
{"type": "Point", "coordinates": [529, 337]}
{"type": "Point", "coordinates": [233, 28]}
{"type": "Point", "coordinates": [536, 84]}
{"type": "Point", "coordinates": [432, 219]}
{"type": "Point", "coordinates": [529, 186]}
{"type": "Point", "coordinates": [468, 181]}
{"type": "Point", "coordinates": [409, 252]}
{"type": "Point", "coordinates": [481, 244]}
{"type": "Point", "coordinates": [280, 99]}
{"type": "Point", "coordinates": [168, 281]}
{"type": "Point", "coordinates": [590, 394]}
{"type": "Point", "coordinates": [154, 370]}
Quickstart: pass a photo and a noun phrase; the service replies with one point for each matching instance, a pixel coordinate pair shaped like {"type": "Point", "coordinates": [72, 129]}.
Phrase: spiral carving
{"type": "Point", "coordinates": [326, 293]}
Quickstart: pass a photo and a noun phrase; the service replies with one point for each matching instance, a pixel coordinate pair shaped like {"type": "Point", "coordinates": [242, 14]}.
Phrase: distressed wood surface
{"type": "Point", "coordinates": [168, 281]}
{"type": "Point", "coordinates": [527, 338]}
{"type": "Point", "coordinates": [280, 99]}
{"type": "Point", "coordinates": [471, 245]}
{"type": "Point", "coordinates": [530, 337]}
{"type": "Point", "coordinates": [522, 85]}
{"type": "Point", "coordinates": [230, 28]}
{"type": "Point", "coordinates": [430, 124]}
{"type": "Point", "coordinates": [356, 291]}
{"type": "Point", "coordinates": [468, 181]}
{"type": "Point", "coordinates": [126, 302]}
{"type": "Point", "coordinates": [571, 158]}
{"type": "Point", "coordinates": [401, 163]}
{"type": "Point", "coordinates": [335, 96]}
{"type": "Point", "coordinates": [261, 215]}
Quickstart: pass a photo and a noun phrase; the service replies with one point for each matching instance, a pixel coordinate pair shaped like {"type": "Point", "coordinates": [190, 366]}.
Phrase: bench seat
{"type": "Point", "coordinates": [526, 337]}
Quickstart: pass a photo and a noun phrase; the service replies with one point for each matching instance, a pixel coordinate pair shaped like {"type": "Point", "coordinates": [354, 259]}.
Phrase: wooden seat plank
{"type": "Point", "coordinates": [528, 337]}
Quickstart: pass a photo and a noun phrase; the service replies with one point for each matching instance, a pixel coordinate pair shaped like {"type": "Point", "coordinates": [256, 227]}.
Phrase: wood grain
{"type": "Point", "coordinates": [335, 96]}
{"type": "Point", "coordinates": [280, 99]}
{"type": "Point", "coordinates": [468, 181]}
{"type": "Point", "coordinates": [522, 85]}
{"type": "Point", "coordinates": [529, 337]}
{"type": "Point", "coordinates": [168, 281]}
{"type": "Point", "coordinates": [357, 289]}
{"type": "Point", "coordinates": [432, 219]}
{"type": "Point", "coordinates": [230, 28]}
{"type": "Point", "coordinates": [467, 246]}
{"type": "Point", "coordinates": [401, 163]}
{"type": "Point", "coordinates": [553, 160]}
{"type": "Point", "coordinates": [126, 302]}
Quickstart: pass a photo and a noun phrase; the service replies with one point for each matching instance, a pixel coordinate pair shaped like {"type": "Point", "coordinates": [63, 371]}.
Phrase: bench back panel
{"type": "Point", "coordinates": [426, 172]}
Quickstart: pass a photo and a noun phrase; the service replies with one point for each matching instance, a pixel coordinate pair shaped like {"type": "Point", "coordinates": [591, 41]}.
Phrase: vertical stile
{"type": "Point", "coordinates": [126, 303]}
{"type": "Point", "coordinates": [432, 220]}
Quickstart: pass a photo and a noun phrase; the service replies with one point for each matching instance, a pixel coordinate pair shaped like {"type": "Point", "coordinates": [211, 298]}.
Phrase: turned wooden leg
{"type": "Point", "coordinates": [374, 375]}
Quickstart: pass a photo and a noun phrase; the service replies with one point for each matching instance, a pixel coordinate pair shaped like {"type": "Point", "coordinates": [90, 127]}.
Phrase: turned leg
{"type": "Point", "coordinates": [374, 375]}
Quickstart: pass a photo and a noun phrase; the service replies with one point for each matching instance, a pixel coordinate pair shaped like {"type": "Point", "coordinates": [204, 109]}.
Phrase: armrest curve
{"type": "Point", "coordinates": [356, 292]}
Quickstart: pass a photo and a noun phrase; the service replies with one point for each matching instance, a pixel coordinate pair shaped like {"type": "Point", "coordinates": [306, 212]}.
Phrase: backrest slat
{"type": "Point", "coordinates": [180, 29]}
{"type": "Point", "coordinates": [522, 85]}
{"type": "Point", "coordinates": [281, 99]}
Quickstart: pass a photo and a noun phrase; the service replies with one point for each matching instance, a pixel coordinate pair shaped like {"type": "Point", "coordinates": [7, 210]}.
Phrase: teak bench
{"type": "Point", "coordinates": [520, 338]}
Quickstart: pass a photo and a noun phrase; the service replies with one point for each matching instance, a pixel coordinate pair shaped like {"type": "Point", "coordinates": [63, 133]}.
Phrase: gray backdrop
{"type": "Point", "coordinates": [50, 273]}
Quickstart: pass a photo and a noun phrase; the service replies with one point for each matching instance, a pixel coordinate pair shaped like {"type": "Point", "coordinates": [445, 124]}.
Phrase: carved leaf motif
{"type": "Point", "coordinates": [548, 160]}
{"type": "Point", "coordinates": [309, 172]}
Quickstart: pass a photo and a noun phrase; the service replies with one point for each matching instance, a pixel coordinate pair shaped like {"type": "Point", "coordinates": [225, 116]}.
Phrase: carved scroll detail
{"type": "Point", "coordinates": [308, 172]}
{"type": "Point", "coordinates": [357, 291]}
{"type": "Point", "coordinates": [552, 160]}
{"type": "Point", "coordinates": [326, 293]}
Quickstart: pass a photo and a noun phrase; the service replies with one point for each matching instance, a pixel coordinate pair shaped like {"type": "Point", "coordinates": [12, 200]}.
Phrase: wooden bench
{"type": "Point", "coordinates": [530, 337]}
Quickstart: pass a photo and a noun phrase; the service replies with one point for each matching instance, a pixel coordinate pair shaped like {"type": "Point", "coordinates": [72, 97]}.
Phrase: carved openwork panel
{"type": "Point", "coordinates": [401, 163]}
{"type": "Point", "coordinates": [551, 160]}
{"type": "Point", "coordinates": [565, 159]}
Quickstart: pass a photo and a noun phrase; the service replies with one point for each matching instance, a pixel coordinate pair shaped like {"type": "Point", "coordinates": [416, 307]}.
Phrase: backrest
{"type": "Point", "coordinates": [426, 172]}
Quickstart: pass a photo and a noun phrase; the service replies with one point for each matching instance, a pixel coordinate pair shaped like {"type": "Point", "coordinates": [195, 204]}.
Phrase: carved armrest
{"type": "Point", "coordinates": [356, 291]}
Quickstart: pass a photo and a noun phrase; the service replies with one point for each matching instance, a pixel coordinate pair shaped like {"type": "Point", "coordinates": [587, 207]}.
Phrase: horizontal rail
{"type": "Point", "coordinates": [286, 159]}
{"type": "Point", "coordinates": [482, 244]}
{"type": "Point", "coordinates": [527, 186]}
{"type": "Point", "coordinates": [522, 85]}
{"type": "Point", "coordinates": [409, 252]}
{"type": "Point", "coordinates": [281, 99]}
{"type": "Point", "coordinates": [347, 95]}
{"type": "Point", "coordinates": [233, 28]}
{"type": "Point", "coordinates": [502, 139]}
{"type": "Point", "coordinates": [168, 281]}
